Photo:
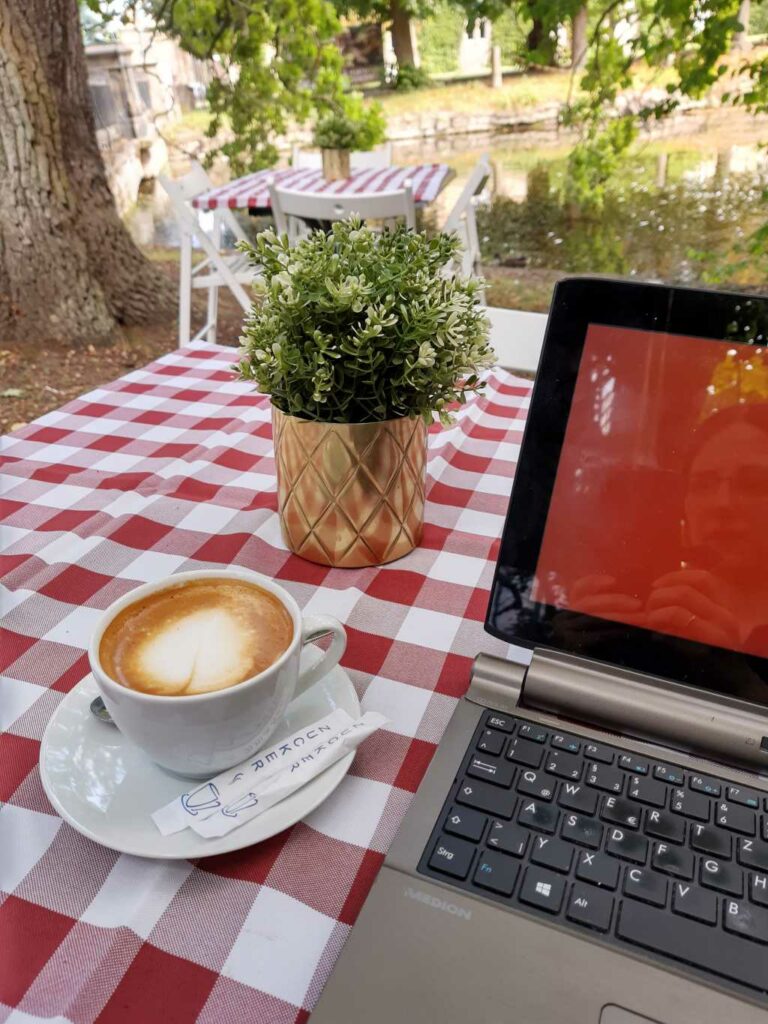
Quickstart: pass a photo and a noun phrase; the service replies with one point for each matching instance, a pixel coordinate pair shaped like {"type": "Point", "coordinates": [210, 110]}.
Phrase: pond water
{"type": "Point", "coordinates": [681, 205]}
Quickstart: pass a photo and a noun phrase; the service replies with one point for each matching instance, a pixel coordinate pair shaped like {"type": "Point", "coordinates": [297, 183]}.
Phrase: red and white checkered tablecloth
{"type": "Point", "coordinates": [171, 468]}
{"type": "Point", "coordinates": [252, 191]}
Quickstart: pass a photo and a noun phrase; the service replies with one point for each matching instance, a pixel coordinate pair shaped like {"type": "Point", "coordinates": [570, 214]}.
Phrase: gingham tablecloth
{"type": "Point", "coordinates": [171, 468]}
{"type": "Point", "coordinates": [252, 191]}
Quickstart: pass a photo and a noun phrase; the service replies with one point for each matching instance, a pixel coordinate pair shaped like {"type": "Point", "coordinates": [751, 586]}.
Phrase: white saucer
{"type": "Point", "coordinates": [106, 788]}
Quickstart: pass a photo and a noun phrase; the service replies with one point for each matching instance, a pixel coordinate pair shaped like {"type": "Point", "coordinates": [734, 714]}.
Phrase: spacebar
{"type": "Point", "coordinates": [701, 945]}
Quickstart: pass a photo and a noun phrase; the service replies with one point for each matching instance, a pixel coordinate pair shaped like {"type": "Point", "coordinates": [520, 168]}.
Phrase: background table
{"type": "Point", "coordinates": [252, 191]}
{"type": "Point", "coordinates": [171, 468]}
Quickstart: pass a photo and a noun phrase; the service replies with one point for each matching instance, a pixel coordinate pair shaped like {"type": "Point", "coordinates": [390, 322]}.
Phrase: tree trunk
{"type": "Point", "coordinates": [69, 271]}
{"type": "Point", "coordinates": [403, 35]}
{"type": "Point", "coordinates": [741, 39]}
{"type": "Point", "coordinates": [538, 40]}
{"type": "Point", "coordinates": [579, 38]}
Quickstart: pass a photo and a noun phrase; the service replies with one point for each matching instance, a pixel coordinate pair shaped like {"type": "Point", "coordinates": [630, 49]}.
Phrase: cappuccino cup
{"type": "Point", "coordinates": [198, 669]}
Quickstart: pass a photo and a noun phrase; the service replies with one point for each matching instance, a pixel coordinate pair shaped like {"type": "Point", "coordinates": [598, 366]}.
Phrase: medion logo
{"type": "Point", "coordinates": [437, 903]}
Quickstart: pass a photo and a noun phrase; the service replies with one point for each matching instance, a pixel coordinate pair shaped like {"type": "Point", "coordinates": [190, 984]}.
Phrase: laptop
{"type": "Point", "coordinates": [590, 842]}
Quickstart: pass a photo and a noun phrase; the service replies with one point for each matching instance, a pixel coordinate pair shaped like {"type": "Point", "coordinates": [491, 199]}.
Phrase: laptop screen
{"type": "Point", "coordinates": [652, 546]}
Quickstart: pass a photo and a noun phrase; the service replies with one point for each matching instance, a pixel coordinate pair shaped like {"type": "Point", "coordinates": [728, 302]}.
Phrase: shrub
{"type": "Point", "coordinates": [405, 78]}
{"type": "Point", "coordinates": [362, 326]}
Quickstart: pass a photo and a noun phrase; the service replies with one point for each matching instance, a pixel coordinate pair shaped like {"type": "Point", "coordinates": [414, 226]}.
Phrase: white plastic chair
{"type": "Point", "coordinates": [291, 209]}
{"type": "Point", "coordinates": [219, 268]}
{"type": "Point", "coordinates": [517, 337]}
{"type": "Point", "coordinates": [377, 159]}
{"type": "Point", "coordinates": [462, 221]}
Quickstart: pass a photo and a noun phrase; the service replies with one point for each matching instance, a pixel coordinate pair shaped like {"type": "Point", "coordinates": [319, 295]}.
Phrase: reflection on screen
{"type": "Point", "coordinates": [659, 514]}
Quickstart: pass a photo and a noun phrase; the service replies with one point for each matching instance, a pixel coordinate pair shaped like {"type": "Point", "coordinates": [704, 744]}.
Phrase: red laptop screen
{"type": "Point", "coordinates": [659, 514]}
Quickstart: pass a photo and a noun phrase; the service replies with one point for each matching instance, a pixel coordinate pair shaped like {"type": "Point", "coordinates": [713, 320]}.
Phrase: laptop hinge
{"type": "Point", "coordinates": [629, 703]}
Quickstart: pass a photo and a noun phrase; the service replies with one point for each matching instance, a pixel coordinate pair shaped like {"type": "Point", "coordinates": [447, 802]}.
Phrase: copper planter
{"type": "Point", "coordinates": [350, 494]}
{"type": "Point", "coordinates": [335, 164]}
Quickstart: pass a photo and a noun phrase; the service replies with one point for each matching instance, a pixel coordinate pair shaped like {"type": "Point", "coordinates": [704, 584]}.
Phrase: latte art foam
{"type": "Point", "coordinates": [195, 638]}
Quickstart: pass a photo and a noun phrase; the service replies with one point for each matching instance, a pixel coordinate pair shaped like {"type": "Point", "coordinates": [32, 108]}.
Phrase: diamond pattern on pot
{"type": "Point", "coordinates": [350, 494]}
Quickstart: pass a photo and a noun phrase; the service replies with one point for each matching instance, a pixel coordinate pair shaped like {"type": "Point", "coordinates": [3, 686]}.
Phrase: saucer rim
{"type": "Point", "coordinates": [229, 843]}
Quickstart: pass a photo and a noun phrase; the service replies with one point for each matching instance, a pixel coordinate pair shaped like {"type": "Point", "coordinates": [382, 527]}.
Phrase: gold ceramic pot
{"type": "Point", "coordinates": [335, 164]}
{"type": "Point", "coordinates": [350, 494]}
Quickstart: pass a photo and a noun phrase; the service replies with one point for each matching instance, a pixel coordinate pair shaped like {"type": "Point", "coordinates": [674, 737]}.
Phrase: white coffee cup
{"type": "Point", "coordinates": [201, 734]}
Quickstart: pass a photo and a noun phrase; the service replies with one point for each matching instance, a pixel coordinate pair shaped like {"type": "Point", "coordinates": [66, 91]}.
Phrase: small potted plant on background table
{"type": "Point", "coordinates": [361, 339]}
{"type": "Point", "coordinates": [352, 127]}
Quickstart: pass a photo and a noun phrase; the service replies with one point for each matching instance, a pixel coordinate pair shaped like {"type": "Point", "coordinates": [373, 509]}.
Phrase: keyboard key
{"type": "Point", "coordinates": [542, 889]}
{"type": "Point", "coordinates": [598, 869]}
{"type": "Point", "coordinates": [534, 733]}
{"type": "Point", "coordinates": [666, 773]}
{"type": "Point", "coordinates": [590, 907]}
{"type": "Point", "coordinates": [491, 742]}
{"type": "Point", "coordinates": [452, 857]}
{"type": "Point", "coordinates": [664, 826]}
{"type": "Point", "coordinates": [552, 853]}
{"type": "Point", "coordinates": [501, 722]}
{"type": "Point", "coordinates": [752, 853]}
{"type": "Point", "coordinates": [735, 818]}
{"type": "Point", "coordinates": [621, 812]}
{"type": "Point", "coordinates": [497, 872]}
{"type": "Point", "coordinates": [492, 769]}
{"type": "Point", "coordinates": [604, 777]}
{"type": "Point", "coordinates": [563, 742]}
{"type": "Point", "coordinates": [645, 885]}
{"type": "Point", "coordinates": [627, 845]}
{"type": "Point", "coordinates": [758, 889]}
{"type": "Point", "coordinates": [704, 784]}
{"type": "Point", "coordinates": [648, 791]}
{"type": "Point", "coordinates": [673, 860]}
{"type": "Point", "coordinates": [693, 902]}
{"type": "Point", "coordinates": [565, 766]}
{"type": "Point", "coordinates": [743, 919]}
{"type": "Point", "coordinates": [484, 796]}
{"type": "Point", "coordinates": [509, 838]}
{"type": "Point", "coordinates": [535, 814]}
{"type": "Point", "coordinates": [707, 839]}
{"type": "Point", "coordinates": [691, 805]}
{"type": "Point", "coordinates": [599, 752]}
{"type": "Point", "coordinates": [465, 823]}
{"type": "Point", "coordinates": [682, 939]}
{"type": "Point", "coordinates": [525, 752]}
{"type": "Point", "coordinates": [721, 875]}
{"type": "Point", "coordinates": [577, 798]}
{"type": "Point", "coordinates": [581, 830]}
{"type": "Point", "coordinates": [633, 763]}
{"type": "Point", "coordinates": [536, 784]}
{"type": "Point", "coordinates": [747, 797]}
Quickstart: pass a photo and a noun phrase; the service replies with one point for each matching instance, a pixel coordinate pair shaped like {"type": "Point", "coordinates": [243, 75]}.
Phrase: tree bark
{"type": "Point", "coordinates": [741, 39]}
{"type": "Point", "coordinates": [538, 40]}
{"type": "Point", "coordinates": [403, 35]}
{"type": "Point", "coordinates": [579, 38]}
{"type": "Point", "coordinates": [69, 271]}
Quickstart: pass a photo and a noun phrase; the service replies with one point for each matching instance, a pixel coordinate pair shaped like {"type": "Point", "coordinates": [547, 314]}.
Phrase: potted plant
{"type": "Point", "coordinates": [361, 339]}
{"type": "Point", "coordinates": [351, 126]}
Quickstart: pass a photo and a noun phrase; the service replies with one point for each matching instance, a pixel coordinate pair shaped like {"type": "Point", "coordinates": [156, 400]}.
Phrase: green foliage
{"type": "Point", "coordinates": [405, 78]}
{"type": "Point", "coordinates": [440, 37]}
{"type": "Point", "coordinates": [355, 125]}
{"type": "Point", "coordinates": [363, 326]}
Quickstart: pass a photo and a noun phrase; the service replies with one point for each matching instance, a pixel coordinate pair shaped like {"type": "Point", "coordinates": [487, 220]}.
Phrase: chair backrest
{"type": "Point", "coordinates": [517, 337]}
{"type": "Point", "coordinates": [287, 203]}
{"type": "Point", "coordinates": [312, 159]}
{"type": "Point", "coordinates": [461, 220]}
{"type": "Point", "coordinates": [182, 191]}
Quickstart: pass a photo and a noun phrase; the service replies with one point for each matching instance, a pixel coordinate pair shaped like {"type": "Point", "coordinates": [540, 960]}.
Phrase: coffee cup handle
{"type": "Point", "coordinates": [315, 627]}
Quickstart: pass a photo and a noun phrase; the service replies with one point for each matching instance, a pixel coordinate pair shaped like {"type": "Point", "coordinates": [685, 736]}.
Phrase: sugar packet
{"type": "Point", "coordinates": [225, 789]}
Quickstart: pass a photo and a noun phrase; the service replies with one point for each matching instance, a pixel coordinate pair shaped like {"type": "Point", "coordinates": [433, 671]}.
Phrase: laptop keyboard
{"type": "Point", "coordinates": [636, 851]}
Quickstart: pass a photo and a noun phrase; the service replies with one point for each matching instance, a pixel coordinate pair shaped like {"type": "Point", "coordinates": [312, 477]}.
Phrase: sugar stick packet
{"type": "Point", "coordinates": [208, 798]}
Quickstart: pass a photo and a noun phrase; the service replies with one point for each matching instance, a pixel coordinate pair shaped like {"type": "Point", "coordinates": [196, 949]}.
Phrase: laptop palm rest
{"type": "Point", "coordinates": [617, 1015]}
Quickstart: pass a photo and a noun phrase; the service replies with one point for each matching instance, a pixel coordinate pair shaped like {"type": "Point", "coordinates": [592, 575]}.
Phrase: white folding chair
{"type": "Point", "coordinates": [461, 220]}
{"type": "Point", "coordinates": [219, 268]}
{"type": "Point", "coordinates": [291, 209]}
{"type": "Point", "coordinates": [517, 337]}
{"type": "Point", "coordinates": [377, 159]}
